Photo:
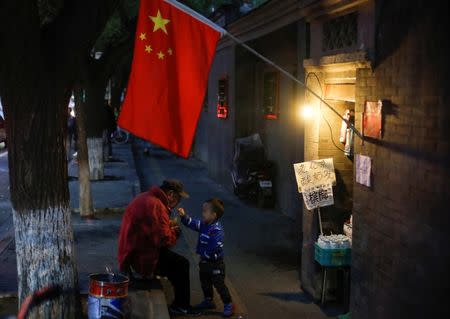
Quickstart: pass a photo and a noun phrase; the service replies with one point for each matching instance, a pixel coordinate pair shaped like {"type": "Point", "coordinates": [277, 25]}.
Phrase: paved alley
{"type": "Point", "coordinates": [261, 246]}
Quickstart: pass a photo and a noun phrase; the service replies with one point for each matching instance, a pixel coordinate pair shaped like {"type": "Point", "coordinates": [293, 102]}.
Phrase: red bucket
{"type": "Point", "coordinates": [108, 296]}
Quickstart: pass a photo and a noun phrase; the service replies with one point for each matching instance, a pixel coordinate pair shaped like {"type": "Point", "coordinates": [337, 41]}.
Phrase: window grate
{"type": "Point", "coordinates": [341, 32]}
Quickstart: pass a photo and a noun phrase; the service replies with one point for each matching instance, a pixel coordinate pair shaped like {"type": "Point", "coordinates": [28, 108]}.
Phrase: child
{"type": "Point", "coordinates": [210, 249]}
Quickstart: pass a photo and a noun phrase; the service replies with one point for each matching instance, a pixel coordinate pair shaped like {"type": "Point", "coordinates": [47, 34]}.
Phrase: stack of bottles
{"type": "Point", "coordinates": [334, 242]}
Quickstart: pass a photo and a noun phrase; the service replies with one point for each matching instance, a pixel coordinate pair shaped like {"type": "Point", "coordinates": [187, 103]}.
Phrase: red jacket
{"type": "Point", "coordinates": [145, 229]}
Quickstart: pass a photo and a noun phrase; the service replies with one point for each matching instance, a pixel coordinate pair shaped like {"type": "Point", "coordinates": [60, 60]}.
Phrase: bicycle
{"type": "Point", "coordinates": [120, 136]}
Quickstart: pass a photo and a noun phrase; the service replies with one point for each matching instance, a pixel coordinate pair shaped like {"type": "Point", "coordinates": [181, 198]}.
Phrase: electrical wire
{"type": "Point", "coordinates": [262, 57]}
{"type": "Point", "coordinates": [331, 133]}
{"type": "Point", "coordinates": [320, 109]}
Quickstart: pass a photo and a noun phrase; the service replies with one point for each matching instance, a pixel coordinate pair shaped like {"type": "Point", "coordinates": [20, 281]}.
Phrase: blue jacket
{"type": "Point", "coordinates": [210, 239]}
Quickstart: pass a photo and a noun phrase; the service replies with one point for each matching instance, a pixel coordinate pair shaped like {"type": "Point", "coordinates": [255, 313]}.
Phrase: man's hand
{"type": "Point", "coordinates": [173, 222]}
{"type": "Point", "coordinates": [181, 212]}
{"type": "Point", "coordinates": [177, 230]}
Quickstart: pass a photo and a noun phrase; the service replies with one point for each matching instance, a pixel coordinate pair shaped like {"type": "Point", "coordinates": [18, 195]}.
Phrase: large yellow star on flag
{"type": "Point", "coordinates": [160, 22]}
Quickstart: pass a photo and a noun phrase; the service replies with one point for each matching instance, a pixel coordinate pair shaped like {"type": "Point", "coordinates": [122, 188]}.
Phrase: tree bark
{"type": "Point", "coordinates": [44, 251]}
{"type": "Point", "coordinates": [96, 117]}
{"type": "Point", "coordinates": [96, 163]}
{"type": "Point", "coordinates": [37, 128]}
{"type": "Point", "coordinates": [85, 195]}
{"type": "Point", "coordinates": [105, 146]}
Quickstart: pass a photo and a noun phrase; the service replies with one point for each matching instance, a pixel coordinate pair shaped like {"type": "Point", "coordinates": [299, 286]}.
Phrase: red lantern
{"type": "Point", "coordinates": [271, 116]}
{"type": "Point", "coordinates": [222, 111]}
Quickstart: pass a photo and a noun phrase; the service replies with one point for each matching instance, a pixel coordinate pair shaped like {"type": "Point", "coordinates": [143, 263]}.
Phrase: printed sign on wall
{"type": "Point", "coordinates": [314, 173]}
{"type": "Point", "coordinates": [315, 180]}
{"type": "Point", "coordinates": [318, 196]}
{"type": "Point", "coordinates": [363, 169]}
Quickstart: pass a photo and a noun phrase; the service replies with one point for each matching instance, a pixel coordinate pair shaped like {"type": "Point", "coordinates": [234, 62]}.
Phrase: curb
{"type": "Point", "coordinates": [6, 240]}
{"type": "Point", "coordinates": [8, 295]}
{"type": "Point", "coordinates": [102, 211]}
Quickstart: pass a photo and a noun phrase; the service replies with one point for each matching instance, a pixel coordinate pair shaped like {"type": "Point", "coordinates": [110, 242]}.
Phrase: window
{"type": "Point", "coordinates": [341, 32]}
{"type": "Point", "coordinates": [270, 95]}
{"type": "Point", "coordinates": [222, 97]}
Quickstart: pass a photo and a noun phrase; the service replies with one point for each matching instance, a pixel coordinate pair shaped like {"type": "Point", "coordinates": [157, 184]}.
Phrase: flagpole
{"type": "Point", "coordinates": [197, 16]}
{"type": "Point", "coordinates": [223, 32]}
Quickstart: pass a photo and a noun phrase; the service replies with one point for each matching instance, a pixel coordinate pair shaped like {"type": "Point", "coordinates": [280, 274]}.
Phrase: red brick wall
{"type": "Point", "coordinates": [401, 225]}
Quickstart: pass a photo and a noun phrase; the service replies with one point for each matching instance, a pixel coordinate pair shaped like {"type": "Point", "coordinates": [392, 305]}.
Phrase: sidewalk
{"type": "Point", "coordinates": [118, 187]}
{"type": "Point", "coordinates": [95, 239]}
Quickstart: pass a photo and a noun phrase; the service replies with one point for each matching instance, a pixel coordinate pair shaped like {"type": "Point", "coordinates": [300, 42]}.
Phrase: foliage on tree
{"type": "Point", "coordinates": [205, 7]}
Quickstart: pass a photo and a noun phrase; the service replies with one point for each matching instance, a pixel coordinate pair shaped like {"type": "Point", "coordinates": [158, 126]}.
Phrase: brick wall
{"type": "Point", "coordinates": [401, 225]}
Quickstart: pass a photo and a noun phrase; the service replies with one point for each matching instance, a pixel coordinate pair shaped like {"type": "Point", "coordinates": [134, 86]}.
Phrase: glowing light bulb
{"type": "Point", "coordinates": [306, 112]}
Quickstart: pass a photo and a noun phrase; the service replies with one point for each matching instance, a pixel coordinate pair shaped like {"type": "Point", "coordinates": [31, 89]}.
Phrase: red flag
{"type": "Point", "coordinates": [173, 53]}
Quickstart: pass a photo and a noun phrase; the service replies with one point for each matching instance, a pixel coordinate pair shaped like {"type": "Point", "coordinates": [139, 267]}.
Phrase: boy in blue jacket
{"type": "Point", "coordinates": [210, 250]}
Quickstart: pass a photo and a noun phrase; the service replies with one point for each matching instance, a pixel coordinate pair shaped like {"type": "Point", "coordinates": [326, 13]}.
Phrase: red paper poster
{"type": "Point", "coordinates": [372, 119]}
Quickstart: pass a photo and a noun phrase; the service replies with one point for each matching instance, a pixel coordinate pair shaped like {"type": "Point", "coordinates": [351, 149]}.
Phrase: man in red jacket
{"type": "Point", "coordinates": [146, 234]}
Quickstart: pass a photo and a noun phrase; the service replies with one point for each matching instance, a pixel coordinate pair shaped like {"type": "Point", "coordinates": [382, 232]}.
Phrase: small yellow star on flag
{"type": "Point", "coordinates": [143, 36]}
{"type": "Point", "coordinates": [160, 22]}
{"type": "Point", "coordinates": [170, 51]}
{"type": "Point", "coordinates": [160, 55]}
{"type": "Point", "coordinates": [148, 48]}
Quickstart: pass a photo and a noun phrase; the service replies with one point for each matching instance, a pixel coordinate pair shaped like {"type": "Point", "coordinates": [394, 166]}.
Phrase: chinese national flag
{"type": "Point", "coordinates": [173, 54]}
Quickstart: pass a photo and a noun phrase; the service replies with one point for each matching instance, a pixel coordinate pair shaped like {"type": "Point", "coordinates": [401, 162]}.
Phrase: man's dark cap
{"type": "Point", "coordinates": [176, 186]}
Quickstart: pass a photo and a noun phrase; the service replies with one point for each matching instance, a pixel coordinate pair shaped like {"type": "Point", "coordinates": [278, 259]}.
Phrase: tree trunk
{"type": "Point", "coordinates": [118, 84]}
{"type": "Point", "coordinates": [96, 121]}
{"type": "Point", "coordinates": [105, 146]}
{"type": "Point", "coordinates": [85, 195]}
{"type": "Point", "coordinates": [37, 128]}
{"type": "Point", "coordinates": [44, 252]}
{"type": "Point", "coordinates": [96, 164]}
{"type": "Point", "coordinates": [36, 74]}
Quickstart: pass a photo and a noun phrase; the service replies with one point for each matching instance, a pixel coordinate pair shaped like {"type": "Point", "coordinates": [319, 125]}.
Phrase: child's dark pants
{"type": "Point", "coordinates": [212, 273]}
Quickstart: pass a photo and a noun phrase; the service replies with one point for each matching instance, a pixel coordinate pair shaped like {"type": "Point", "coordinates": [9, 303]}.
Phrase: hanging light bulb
{"type": "Point", "coordinates": [306, 112]}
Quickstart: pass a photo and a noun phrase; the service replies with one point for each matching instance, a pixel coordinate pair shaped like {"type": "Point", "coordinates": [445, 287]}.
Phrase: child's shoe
{"type": "Point", "coordinates": [206, 304]}
{"type": "Point", "coordinates": [228, 309]}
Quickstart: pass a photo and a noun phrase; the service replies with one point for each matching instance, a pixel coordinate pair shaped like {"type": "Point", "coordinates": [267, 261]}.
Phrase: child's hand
{"type": "Point", "coordinates": [181, 212]}
{"type": "Point", "coordinates": [173, 222]}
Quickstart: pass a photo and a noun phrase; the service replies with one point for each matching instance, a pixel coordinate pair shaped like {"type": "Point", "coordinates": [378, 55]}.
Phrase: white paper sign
{"type": "Point", "coordinates": [318, 196]}
{"type": "Point", "coordinates": [363, 169]}
{"type": "Point", "coordinates": [314, 173]}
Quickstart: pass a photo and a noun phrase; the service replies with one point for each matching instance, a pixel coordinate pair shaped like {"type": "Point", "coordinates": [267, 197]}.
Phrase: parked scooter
{"type": "Point", "coordinates": [251, 172]}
